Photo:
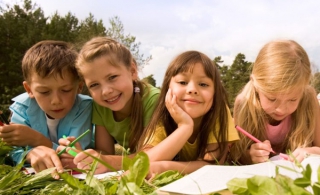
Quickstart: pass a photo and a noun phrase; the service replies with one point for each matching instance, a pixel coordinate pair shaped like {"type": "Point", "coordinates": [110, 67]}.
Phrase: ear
{"type": "Point", "coordinates": [80, 87]}
{"type": "Point", "coordinates": [134, 71]}
{"type": "Point", "coordinates": [28, 89]}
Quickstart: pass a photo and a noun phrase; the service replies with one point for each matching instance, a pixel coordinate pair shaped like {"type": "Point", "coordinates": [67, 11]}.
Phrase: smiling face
{"type": "Point", "coordinates": [279, 106]}
{"type": "Point", "coordinates": [54, 95]}
{"type": "Point", "coordinates": [110, 85]}
{"type": "Point", "coordinates": [194, 91]}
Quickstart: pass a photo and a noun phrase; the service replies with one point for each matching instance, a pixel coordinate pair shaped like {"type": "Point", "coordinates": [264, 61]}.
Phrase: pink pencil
{"type": "Point", "coordinates": [244, 132]}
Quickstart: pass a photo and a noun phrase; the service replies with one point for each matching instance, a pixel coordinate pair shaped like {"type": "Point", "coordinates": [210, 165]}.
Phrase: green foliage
{"type": "Point", "coordinates": [234, 77]}
{"type": "Point", "coordinates": [23, 26]}
{"type": "Point", "coordinates": [14, 181]}
{"type": "Point", "coordinates": [149, 79]}
{"type": "Point", "coordinates": [279, 184]}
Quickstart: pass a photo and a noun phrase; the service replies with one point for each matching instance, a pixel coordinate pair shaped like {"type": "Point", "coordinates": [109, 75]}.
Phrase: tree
{"type": "Point", "coordinates": [149, 79]}
{"type": "Point", "coordinates": [88, 29]}
{"type": "Point", "coordinates": [237, 76]}
{"type": "Point", "coordinates": [23, 26]}
{"type": "Point", "coordinates": [20, 27]}
{"type": "Point", "coordinates": [62, 28]}
{"type": "Point", "coordinates": [116, 31]}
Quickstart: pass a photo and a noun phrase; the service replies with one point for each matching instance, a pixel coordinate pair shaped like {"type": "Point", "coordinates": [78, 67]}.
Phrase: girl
{"type": "Point", "coordinates": [192, 122]}
{"type": "Point", "coordinates": [278, 106]}
{"type": "Point", "coordinates": [122, 106]}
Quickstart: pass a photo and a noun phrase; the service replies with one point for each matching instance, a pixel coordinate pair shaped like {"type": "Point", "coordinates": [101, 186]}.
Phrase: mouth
{"type": "Point", "coordinates": [57, 110]}
{"type": "Point", "coordinates": [113, 99]}
{"type": "Point", "coordinates": [192, 101]}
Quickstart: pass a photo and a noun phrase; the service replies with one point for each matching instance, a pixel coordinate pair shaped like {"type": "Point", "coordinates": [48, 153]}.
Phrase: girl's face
{"type": "Point", "coordinates": [110, 86]}
{"type": "Point", "coordinates": [194, 91]}
{"type": "Point", "coordinates": [279, 106]}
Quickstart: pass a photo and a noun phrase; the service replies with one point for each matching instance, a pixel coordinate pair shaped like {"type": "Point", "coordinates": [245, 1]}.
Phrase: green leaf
{"type": "Point", "coordinates": [72, 181]}
{"type": "Point", "coordinates": [165, 178]}
{"type": "Point", "coordinates": [302, 182]}
{"type": "Point", "coordinates": [262, 185]}
{"type": "Point", "coordinates": [94, 182]}
{"type": "Point", "coordinates": [130, 188]}
{"type": "Point", "coordinates": [138, 168]}
{"type": "Point", "coordinates": [316, 188]}
{"type": "Point", "coordinates": [238, 186]}
{"type": "Point", "coordinates": [307, 172]}
{"type": "Point", "coordinates": [287, 186]}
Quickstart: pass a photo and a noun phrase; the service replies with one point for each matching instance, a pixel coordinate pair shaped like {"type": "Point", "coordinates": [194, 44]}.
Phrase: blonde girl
{"type": "Point", "coordinates": [122, 106]}
{"type": "Point", "coordinates": [192, 123]}
{"type": "Point", "coordinates": [278, 105]}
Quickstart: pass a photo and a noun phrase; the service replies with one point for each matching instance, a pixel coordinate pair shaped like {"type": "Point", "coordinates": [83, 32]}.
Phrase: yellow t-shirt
{"type": "Point", "coordinates": [189, 150]}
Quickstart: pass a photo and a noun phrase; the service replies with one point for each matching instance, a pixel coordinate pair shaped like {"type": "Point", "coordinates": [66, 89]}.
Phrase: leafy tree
{"type": "Point", "coordinates": [149, 79]}
{"type": "Point", "coordinates": [62, 28]}
{"type": "Point", "coordinates": [116, 31]}
{"type": "Point", "coordinates": [23, 26]}
{"type": "Point", "coordinates": [20, 27]}
{"type": "Point", "coordinates": [88, 29]}
{"type": "Point", "coordinates": [237, 76]}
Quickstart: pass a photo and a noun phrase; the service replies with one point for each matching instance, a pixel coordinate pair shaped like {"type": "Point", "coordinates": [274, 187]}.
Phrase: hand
{"type": "Point", "coordinates": [42, 158]}
{"type": "Point", "coordinates": [300, 154]}
{"type": "Point", "coordinates": [66, 158]}
{"type": "Point", "coordinates": [84, 161]}
{"type": "Point", "coordinates": [20, 135]}
{"type": "Point", "coordinates": [259, 152]}
{"type": "Point", "coordinates": [176, 112]}
{"type": "Point", "coordinates": [155, 168]}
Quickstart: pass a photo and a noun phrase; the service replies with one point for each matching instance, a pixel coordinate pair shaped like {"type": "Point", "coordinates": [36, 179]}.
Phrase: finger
{"type": "Point", "coordinates": [56, 163]}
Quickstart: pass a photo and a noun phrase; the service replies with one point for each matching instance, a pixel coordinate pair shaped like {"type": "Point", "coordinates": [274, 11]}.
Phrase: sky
{"type": "Point", "coordinates": [223, 28]}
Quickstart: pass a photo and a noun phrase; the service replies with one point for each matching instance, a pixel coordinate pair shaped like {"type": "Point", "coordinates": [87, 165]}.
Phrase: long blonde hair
{"type": "Point", "coordinates": [280, 66]}
{"type": "Point", "coordinates": [117, 52]}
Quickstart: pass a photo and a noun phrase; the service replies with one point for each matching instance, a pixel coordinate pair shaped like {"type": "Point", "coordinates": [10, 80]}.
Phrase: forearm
{"type": "Point", "coordinates": [170, 146]}
{"type": "Point", "coordinates": [114, 161]}
{"type": "Point", "coordinates": [41, 140]}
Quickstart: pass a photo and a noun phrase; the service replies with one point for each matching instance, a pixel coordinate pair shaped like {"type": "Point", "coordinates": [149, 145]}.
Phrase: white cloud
{"type": "Point", "coordinates": [216, 28]}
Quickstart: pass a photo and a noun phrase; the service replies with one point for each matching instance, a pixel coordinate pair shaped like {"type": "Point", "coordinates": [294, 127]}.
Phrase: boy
{"type": "Point", "coordinates": [50, 108]}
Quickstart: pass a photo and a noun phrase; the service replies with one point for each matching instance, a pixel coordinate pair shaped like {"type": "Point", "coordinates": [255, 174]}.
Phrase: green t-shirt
{"type": "Point", "coordinates": [120, 130]}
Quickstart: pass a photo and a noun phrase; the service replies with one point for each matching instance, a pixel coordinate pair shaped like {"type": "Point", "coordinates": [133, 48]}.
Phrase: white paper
{"type": "Point", "coordinates": [214, 178]}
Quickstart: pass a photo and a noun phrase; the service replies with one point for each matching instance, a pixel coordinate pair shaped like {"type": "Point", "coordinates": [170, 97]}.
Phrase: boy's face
{"type": "Point", "coordinates": [54, 95]}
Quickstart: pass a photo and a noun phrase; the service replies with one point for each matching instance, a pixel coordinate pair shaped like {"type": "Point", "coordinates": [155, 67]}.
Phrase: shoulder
{"type": "Point", "coordinates": [150, 90]}
{"type": "Point", "coordinates": [83, 100]}
{"type": "Point", "coordinates": [22, 99]}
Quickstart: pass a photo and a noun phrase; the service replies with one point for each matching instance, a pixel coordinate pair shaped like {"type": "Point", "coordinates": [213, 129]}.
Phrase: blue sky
{"type": "Point", "coordinates": [215, 27]}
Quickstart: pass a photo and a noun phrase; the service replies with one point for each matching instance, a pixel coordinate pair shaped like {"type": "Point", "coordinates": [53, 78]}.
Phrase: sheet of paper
{"type": "Point", "coordinates": [214, 178]}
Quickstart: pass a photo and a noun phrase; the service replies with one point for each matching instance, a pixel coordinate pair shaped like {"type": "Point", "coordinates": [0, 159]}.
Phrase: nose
{"type": "Point", "coordinates": [281, 108]}
{"type": "Point", "coordinates": [55, 99]}
{"type": "Point", "coordinates": [192, 88]}
{"type": "Point", "coordinates": [106, 90]}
